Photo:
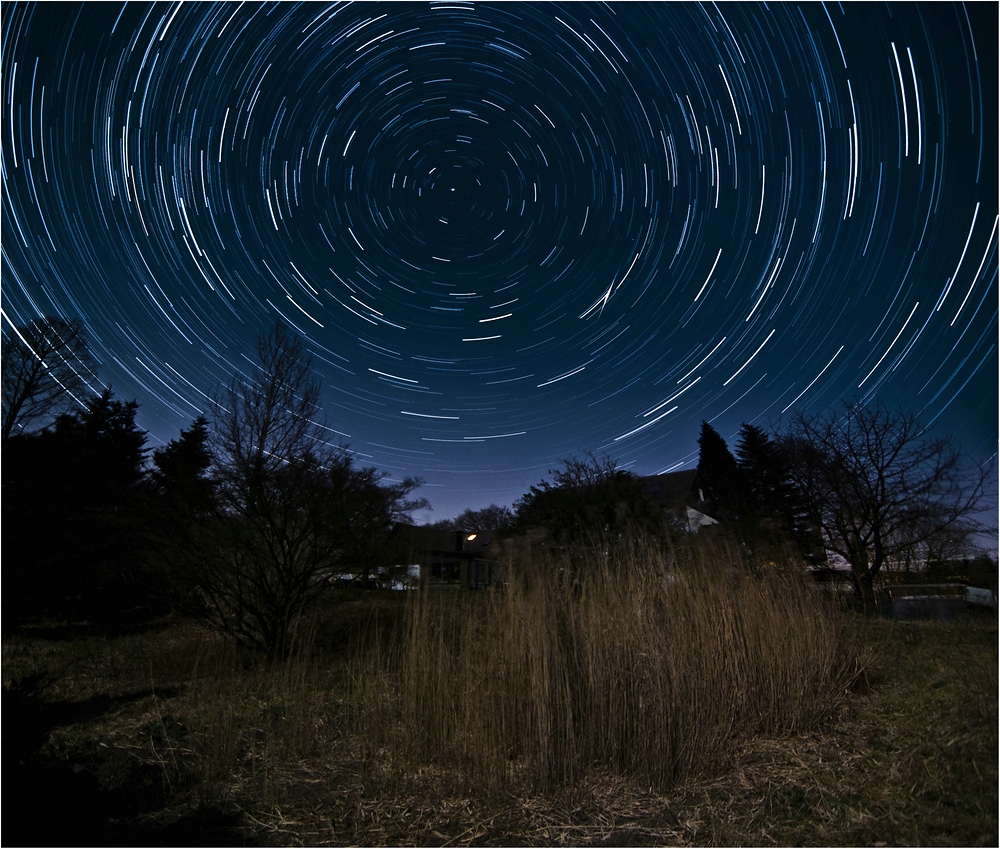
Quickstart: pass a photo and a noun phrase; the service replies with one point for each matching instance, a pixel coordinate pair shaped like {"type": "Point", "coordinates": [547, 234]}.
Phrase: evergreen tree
{"type": "Point", "coordinates": [774, 518]}
{"type": "Point", "coordinates": [181, 511]}
{"type": "Point", "coordinates": [764, 474]}
{"type": "Point", "coordinates": [73, 530]}
{"type": "Point", "coordinates": [180, 469]}
{"type": "Point", "coordinates": [718, 472]}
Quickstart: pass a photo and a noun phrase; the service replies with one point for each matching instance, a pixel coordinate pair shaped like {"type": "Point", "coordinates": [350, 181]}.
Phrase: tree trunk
{"type": "Point", "coordinates": [866, 591]}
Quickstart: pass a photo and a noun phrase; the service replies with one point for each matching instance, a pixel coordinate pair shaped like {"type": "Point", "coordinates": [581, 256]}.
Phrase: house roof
{"type": "Point", "coordinates": [673, 488]}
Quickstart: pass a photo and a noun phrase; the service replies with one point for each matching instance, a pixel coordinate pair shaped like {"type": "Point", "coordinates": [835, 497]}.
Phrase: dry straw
{"type": "Point", "coordinates": [647, 662]}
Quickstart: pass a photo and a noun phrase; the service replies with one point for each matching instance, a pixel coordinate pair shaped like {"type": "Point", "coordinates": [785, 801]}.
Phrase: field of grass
{"type": "Point", "coordinates": [645, 664]}
{"type": "Point", "coordinates": [167, 736]}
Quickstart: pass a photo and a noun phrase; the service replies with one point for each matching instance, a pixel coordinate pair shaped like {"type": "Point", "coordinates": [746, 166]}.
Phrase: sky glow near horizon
{"type": "Point", "coordinates": [514, 233]}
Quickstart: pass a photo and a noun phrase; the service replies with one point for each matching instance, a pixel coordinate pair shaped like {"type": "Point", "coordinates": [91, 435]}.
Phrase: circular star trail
{"type": "Point", "coordinates": [513, 233]}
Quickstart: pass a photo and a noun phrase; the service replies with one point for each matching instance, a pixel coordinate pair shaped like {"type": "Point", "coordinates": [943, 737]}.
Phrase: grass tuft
{"type": "Point", "coordinates": [646, 664]}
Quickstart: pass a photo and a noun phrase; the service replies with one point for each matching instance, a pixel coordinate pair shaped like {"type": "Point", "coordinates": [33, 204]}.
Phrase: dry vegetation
{"type": "Point", "coordinates": [608, 706]}
{"type": "Point", "coordinates": [640, 665]}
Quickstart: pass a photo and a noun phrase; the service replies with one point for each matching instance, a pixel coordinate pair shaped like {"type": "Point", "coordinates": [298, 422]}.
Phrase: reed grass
{"type": "Point", "coordinates": [647, 662]}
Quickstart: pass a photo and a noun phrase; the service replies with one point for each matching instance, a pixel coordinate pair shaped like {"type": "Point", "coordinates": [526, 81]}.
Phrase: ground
{"type": "Point", "coordinates": [162, 736]}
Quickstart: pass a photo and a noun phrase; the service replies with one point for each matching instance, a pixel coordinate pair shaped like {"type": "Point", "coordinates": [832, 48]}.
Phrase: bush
{"type": "Point", "coordinates": [649, 664]}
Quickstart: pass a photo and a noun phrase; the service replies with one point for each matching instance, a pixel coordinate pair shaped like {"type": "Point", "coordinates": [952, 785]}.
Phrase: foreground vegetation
{"type": "Point", "coordinates": [646, 664]}
{"type": "Point", "coordinates": [611, 707]}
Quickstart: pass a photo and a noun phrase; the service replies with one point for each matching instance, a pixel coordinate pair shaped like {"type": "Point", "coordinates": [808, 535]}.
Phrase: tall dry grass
{"type": "Point", "coordinates": [650, 663]}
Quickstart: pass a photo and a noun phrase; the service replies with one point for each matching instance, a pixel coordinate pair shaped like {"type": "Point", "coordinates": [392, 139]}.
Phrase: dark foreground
{"type": "Point", "coordinates": [133, 740]}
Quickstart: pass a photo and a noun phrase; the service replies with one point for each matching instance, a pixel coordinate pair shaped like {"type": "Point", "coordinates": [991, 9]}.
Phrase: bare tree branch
{"type": "Point", "coordinates": [879, 487]}
{"type": "Point", "coordinates": [293, 509]}
{"type": "Point", "coordinates": [46, 370]}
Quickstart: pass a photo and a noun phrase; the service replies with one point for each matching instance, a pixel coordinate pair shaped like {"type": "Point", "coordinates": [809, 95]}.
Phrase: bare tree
{"type": "Point", "coordinates": [46, 368]}
{"type": "Point", "coordinates": [879, 487]}
{"type": "Point", "coordinates": [293, 509]}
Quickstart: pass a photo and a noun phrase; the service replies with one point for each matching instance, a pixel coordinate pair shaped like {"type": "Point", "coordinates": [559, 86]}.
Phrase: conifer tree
{"type": "Point", "coordinates": [775, 515]}
{"type": "Point", "coordinates": [73, 532]}
{"type": "Point", "coordinates": [180, 468]}
{"type": "Point", "coordinates": [718, 472]}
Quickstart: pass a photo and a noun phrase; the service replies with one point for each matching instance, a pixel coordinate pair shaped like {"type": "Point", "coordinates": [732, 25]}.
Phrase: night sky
{"type": "Point", "coordinates": [515, 233]}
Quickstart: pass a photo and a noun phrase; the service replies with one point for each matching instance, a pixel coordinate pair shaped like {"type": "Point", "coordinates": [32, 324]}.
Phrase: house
{"type": "Point", "coordinates": [682, 495]}
{"type": "Point", "coordinates": [929, 601]}
{"type": "Point", "coordinates": [450, 558]}
{"type": "Point", "coordinates": [937, 601]}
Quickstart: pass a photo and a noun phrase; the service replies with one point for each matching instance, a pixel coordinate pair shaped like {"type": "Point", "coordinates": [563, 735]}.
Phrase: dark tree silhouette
{"type": "Point", "coordinates": [369, 507]}
{"type": "Point", "coordinates": [589, 502]}
{"type": "Point", "coordinates": [292, 510]}
{"type": "Point", "coordinates": [181, 510]}
{"type": "Point", "coordinates": [180, 469]}
{"type": "Point", "coordinates": [73, 534]}
{"type": "Point", "coordinates": [718, 473]}
{"type": "Point", "coordinates": [773, 516]}
{"type": "Point", "coordinates": [492, 519]}
{"type": "Point", "coordinates": [766, 482]}
{"type": "Point", "coordinates": [46, 370]}
{"type": "Point", "coordinates": [878, 486]}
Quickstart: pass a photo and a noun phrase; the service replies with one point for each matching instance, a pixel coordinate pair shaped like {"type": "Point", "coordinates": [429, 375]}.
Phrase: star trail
{"type": "Point", "coordinates": [514, 233]}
